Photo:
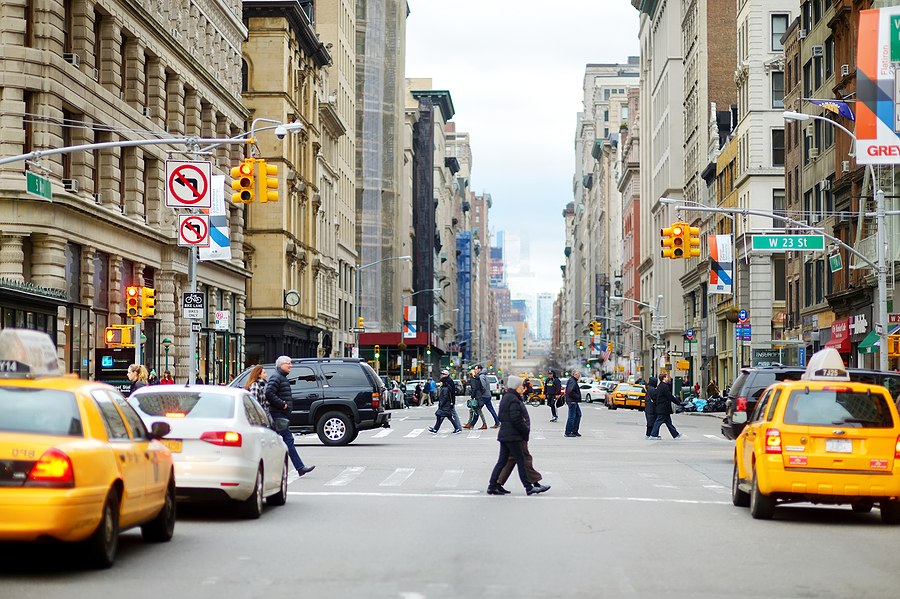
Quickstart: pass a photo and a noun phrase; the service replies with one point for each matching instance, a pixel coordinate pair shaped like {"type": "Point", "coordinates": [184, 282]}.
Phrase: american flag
{"type": "Point", "coordinates": [606, 354]}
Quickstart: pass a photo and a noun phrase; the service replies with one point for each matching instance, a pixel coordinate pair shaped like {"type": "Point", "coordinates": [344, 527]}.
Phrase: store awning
{"type": "Point", "coordinates": [870, 344]}
{"type": "Point", "coordinates": [842, 345]}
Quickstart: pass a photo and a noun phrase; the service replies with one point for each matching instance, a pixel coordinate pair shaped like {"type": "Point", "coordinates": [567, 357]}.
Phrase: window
{"type": "Point", "coordinates": [773, 403]}
{"type": "Point", "coordinates": [112, 420]}
{"type": "Point", "coordinates": [829, 57]}
{"type": "Point", "coordinates": [250, 412]}
{"type": "Point", "coordinates": [817, 67]}
{"type": "Point", "coordinates": [807, 79]}
{"type": "Point", "coordinates": [808, 283]}
{"type": "Point", "coordinates": [779, 26]}
{"type": "Point", "coordinates": [138, 430]}
{"type": "Point", "coordinates": [807, 15]}
{"type": "Point", "coordinates": [305, 378]}
{"type": "Point", "coordinates": [345, 375]}
{"type": "Point", "coordinates": [778, 147]}
{"type": "Point", "coordinates": [624, 113]}
{"type": "Point", "coordinates": [778, 271]}
{"type": "Point", "coordinates": [820, 281]}
{"type": "Point", "coordinates": [39, 411]}
{"type": "Point", "coordinates": [777, 89]}
{"type": "Point", "coordinates": [605, 115]}
{"type": "Point", "coordinates": [817, 11]}
{"type": "Point", "coordinates": [778, 200]}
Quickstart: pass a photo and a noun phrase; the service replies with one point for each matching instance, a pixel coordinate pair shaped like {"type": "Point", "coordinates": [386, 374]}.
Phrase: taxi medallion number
{"type": "Point", "coordinates": [174, 445]}
{"type": "Point", "coordinates": [839, 445]}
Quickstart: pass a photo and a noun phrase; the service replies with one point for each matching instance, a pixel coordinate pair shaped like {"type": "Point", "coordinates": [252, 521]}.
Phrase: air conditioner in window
{"type": "Point", "coordinates": [148, 112]}
{"type": "Point", "coordinates": [818, 51]}
{"type": "Point", "coordinates": [123, 208]}
{"type": "Point", "coordinates": [801, 34]}
{"type": "Point", "coordinates": [845, 166]}
{"type": "Point", "coordinates": [96, 74]}
{"type": "Point", "coordinates": [70, 185]}
{"type": "Point", "coordinates": [814, 153]}
{"type": "Point", "coordinates": [843, 217]}
{"type": "Point", "coordinates": [845, 70]}
{"type": "Point", "coordinates": [809, 130]}
{"type": "Point", "coordinates": [98, 197]}
{"type": "Point", "coordinates": [72, 59]}
{"type": "Point", "coordinates": [122, 95]}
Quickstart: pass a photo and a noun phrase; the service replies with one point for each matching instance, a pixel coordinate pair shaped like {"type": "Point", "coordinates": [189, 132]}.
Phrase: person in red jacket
{"type": "Point", "coordinates": [167, 379]}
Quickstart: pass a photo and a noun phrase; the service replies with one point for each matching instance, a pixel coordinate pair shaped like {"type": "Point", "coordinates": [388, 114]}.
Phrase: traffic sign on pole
{"type": "Point", "coordinates": [193, 230]}
{"type": "Point", "coordinates": [192, 306]}
{"type": "Point", "coordinates": [38, 185]}
{"type": "Point", "coordinates": [788, 243]}
{"type": "Point", "coordinates": [188, 184]}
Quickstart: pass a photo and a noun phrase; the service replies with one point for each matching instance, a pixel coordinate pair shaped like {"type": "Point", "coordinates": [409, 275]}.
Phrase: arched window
{"type": "Point", "coordinates": [244, 75]}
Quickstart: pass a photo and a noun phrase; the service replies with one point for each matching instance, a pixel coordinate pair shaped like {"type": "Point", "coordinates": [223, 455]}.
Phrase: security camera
{"type": "Point", "coordinates": [280, 131]}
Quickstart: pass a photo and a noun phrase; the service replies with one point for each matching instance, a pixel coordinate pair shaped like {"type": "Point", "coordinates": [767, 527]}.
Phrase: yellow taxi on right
{"type": "Point", "coordinates": [823, 439]}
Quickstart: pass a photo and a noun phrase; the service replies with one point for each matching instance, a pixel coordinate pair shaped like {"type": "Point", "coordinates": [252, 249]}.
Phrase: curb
{"type": "Point", "coordinates": [718, 415]}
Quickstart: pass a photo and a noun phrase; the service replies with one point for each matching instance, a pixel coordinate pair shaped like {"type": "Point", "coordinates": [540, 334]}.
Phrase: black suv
{"type": "Point", "coordinates": [333, 397]}
{"type": "Point", "coordinates": [750, 384]}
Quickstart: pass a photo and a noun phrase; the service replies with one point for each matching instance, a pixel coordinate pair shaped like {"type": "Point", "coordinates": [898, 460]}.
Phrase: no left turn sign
{"type": "Point", "coordinates": [193, 230]}
{"type": "Point", "coordinates": [187, 184]}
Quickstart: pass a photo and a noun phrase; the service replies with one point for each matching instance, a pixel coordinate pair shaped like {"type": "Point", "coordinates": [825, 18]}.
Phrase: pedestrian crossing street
{"type": "Point", "coordinates": [536, 434]}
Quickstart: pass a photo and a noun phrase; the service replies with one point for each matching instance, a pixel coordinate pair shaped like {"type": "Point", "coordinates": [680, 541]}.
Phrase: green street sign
{"type": "Point", "coordinates": [895, 38]}
{"type": "Point", "coordinates": [37, 185]}
{"type": "Point", "coordinates": [788, 243]}
{"type": "Point", "coordinates": [834, 262]}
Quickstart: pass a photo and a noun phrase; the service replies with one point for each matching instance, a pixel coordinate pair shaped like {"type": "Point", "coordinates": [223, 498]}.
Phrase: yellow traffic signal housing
{"type": "Point", "coordinates": [243, 182]}
{"type": "Point", "coordinates": [119, 336]}
{"type": "Point", "coordinates": [377, 351]}
{"type": "Point", "coordinates": [148, 302]}
{"type": "Point", "coordinates": [692, 244]}
{"type": "Point", "coordinates": [673, 239]}
{"type": "Point", "coordinates": [133, 303]}
{"type": "Point", "coordinates": [265, 174]}
{"type": "Point", "coordinates": [609, 347]}
{"type": "Point", "coordinates": [428, 350]}
{"type": "Point", "coordinates": [893, 346]}
{"type": "Point", "coordinates": [359, 322]}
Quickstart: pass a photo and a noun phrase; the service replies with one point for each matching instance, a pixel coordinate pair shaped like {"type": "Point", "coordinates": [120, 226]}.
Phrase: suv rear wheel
{"type": "Point", "coordinates": [335, 428]}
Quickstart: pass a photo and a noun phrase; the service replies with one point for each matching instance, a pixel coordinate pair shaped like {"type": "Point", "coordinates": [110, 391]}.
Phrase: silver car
{"type": "Point", "coordinates": [221, 443]}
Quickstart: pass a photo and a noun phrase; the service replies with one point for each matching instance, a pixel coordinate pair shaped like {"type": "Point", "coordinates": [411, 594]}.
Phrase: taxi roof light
{"type": "Point", "coordinates": [53, 469]}
{"type": "Point", "coordinates": [826, 365]}
{"type": "Point", "coordinates": [27, 354]}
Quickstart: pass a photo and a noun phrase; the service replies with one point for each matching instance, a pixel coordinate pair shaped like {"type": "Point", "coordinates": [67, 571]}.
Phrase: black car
{"type": "Point", "coordinates": [750, 384]}
{"type": "Point", "coordinates": [333, 397]}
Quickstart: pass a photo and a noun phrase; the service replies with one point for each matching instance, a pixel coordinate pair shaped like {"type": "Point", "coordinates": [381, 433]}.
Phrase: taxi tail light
{"type": "Point", "coordinates": [376, 400]}
{"type": "Point", "coordinates": [773, 441]}
{"type": "Point", "coordinates": [53, 469]}
{"type": "Point", "coordinates": [897, 449]}
{"type": "Point", "coordinates": [741, 404]}
{"type": "Point", "coordinates": [222, 438]}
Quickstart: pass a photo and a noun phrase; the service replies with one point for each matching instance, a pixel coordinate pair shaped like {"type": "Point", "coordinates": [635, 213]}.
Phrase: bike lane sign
{"type": "Point", "coordinates": [188, 184]}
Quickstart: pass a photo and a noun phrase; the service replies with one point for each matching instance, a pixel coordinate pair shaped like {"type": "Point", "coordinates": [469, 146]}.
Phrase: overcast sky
{"type": "Point", "coordinates": [514, 69]}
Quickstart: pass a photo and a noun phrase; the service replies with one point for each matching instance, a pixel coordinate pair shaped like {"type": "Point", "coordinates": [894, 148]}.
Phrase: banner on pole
{"type": "Point", "coordinates": [219, 242]}
{"type": "Point", "coordinates": [721, 261]}
{"type": "Point", "coordinates": [409, 322]}
{"type": "Point", "coordinates": [877, 83]}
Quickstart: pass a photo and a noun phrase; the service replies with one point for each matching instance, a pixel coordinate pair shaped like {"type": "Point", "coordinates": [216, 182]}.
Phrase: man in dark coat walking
{"type": "Point", "coordinates": [664, 401]}
{"type": "Point", "coordinates": [650, 405]}
{"type": "Point", "coordinates": [515, 426]}
{"type": "Point", "coordinates": [446, 405]}
{"type": "Point", "coordinates": [573, 401]}
{"type": "Point", "coordinates": [278, 394]}
{"type": "Point", "coordinates": [552, 387]}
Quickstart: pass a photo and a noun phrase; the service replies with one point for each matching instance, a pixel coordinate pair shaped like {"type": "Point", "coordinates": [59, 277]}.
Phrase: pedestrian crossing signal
{"type": "Point", "coordinates": [119, 336]}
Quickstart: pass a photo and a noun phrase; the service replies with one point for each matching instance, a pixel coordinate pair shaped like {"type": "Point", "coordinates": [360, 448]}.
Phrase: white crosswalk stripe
{"type": "Point", "coordinates": [611, 481]}
{"type": "Point", "coordinates": [414, 432]}
{"type": "Point", "coordinates": [450, 478]}
{"type": "Point", "coordinates": [344, 478]}
{"type": "Point", "coordinates": [474, 434]}
{"type": "Point", "coordinates": [383, 433]}
{"type": "Point", "coordinates": [657, 482]}
{"type": "Point", "coordinates": [397, 478]}
{"type": "Point", "coordinates": [716, 438]}
{"type": "Point", "coordinates": [555, 480]}
{"type": "Point", "coordinates": [708, 483]}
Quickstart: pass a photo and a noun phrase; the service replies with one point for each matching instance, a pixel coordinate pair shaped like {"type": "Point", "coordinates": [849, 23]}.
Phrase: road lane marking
{"type": "Point", "coordinates": [716, 438]}
{"type": "Point", "coordinates": [383, 433]}
{"type": "Point", "coordinates": [396, 479]}
{"type": "Point", "coordinates": [480, 494]}
{"type": "Point", "coordinates": [610, 481]}
{"type": "Point", "coordinates": [450, 478]}
{"type": "Point", "coordinates": [537, 435]}
{"type": "Point", "coordinates": [414, 432]}
{"type": "Point", "coordinates": [708, 483]}
{"type": "Point", "coordinates": [555, 480]}
{"type": "Point", "coordinates": [474, 434]}
{"type": "Point", "coordinates": [345, 477]}
{"type": "Point", "coordinates": [654, 480]}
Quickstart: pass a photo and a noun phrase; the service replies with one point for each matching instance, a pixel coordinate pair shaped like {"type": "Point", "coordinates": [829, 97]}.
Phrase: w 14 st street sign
{"type": "Point", "coordinates": [788, 243]}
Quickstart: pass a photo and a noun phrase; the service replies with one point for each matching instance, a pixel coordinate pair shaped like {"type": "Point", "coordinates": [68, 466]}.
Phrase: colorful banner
{"type": "Point", "coordinates": [219, 243]}
{"type": "Point", "coordinates": [877, 120]}
{"type": "Point", "coordinates": [409, 322]}
{"type": "Point", "coordinates": [721, 261]}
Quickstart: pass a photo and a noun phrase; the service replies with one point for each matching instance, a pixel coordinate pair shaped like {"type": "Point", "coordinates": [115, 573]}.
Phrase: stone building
{"type": "Point", "coordinates": [78, 72]}
{"type": "Point", "coordinates": [283, 61]}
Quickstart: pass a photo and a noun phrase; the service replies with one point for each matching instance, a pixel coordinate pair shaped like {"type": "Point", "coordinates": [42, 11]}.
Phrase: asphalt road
{"type": "Point", "coordinates": [404, 514]}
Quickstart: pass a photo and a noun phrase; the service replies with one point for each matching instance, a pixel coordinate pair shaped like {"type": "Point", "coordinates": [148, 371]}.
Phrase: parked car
{"type": "Point", "coordinates": [627, 395]}
{"type": "Point", "coordinates": [393, 396]}
{"type": "Point", "coordinates": [750, 384]}
{"type": "Point", "coordinates": [823, 439]}
{"type": "Point", "coordinates": [410, 395]}
{"type": "Point", "coordinates": [333, 397]}
{"type": "Point", "coordinates": [221, 442]}
{"type": "Point", "coordinates": [494, 383]}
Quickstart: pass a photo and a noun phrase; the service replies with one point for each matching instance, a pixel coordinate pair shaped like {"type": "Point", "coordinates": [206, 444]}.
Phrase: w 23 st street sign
{"type": "Point", "coordinates": [788, 243]}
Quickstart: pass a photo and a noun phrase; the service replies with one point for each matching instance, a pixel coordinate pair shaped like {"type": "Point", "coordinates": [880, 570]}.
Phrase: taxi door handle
{"type": "Point", "coordinates": [122, 456]}
{"type": "Point", "coordinates": [147, 454]}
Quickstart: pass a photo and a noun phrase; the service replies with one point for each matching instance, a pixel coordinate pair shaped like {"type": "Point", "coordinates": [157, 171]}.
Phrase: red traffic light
{"type": "Point", "coordinates": [677, 230]}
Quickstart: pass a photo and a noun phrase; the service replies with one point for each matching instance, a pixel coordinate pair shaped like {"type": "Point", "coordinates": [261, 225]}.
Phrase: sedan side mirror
{"type": "Point", "coordinates": [159, 430]}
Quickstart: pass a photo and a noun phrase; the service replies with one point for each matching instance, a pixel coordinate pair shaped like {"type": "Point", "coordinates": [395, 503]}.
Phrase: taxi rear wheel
{"type": "Point", "coordinates": [762, 507]}
{"type": "Point", "coordinates": [890, 511]}
{"type": "Point", "coordinates": [100, 548]}
{"type": "Point", "coordinates": [161, 528]}
{"type": "Point", "coordinates": [252, 507]}
{"type": "Point", "coordinates": [738, 497]}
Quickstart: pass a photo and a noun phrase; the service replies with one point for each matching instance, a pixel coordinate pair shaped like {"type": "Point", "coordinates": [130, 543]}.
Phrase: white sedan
{"type": "Point", "coordinates": [221, 443]}
{"type": "Point", "coordinates": [593, 391]}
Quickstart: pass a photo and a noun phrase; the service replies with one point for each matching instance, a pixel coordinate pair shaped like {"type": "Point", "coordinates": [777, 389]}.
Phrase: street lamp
{"type": "Point", "coordinates": [436, 290]}
{"type": "Point", "coordinates": [879, 237]}
{"type": "Point", "coordinates": [167, 343]}
{"type": "Point", "coordinates": [431, 318]}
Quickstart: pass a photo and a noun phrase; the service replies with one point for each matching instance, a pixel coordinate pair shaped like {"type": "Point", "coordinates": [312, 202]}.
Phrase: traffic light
{"type": "Point", "coordinates": [377, 351]}
{"type": "Point", "coordinates": [673, 239]}
{"type": "Point", "coordinates": [580, 344]}
{"type": "Point", "coordinates": [428, 350]}
{"type": "Point", "coordinates": [243, 182]}
{"type": "Point", "coordinates": [148, 302]}
{"type": "Point", "coordinates": [893, 346]}
{"type": "Point", "coordinates": [266, 184]}
{"type": "Point", "coordinates": [359, 322]}
{"type": "Point", "coordinates": [598, 328]}
{"type": "Point", "coordinates": [133, 303]}
{"type": "Point", "coordinates": [591, 327]}
{"type": "Point", "coordinates": [609, 346]}
{"type": "Point", "coordinates": [692, 243]}
{"type": "Point", "coordinates": [490, 365]}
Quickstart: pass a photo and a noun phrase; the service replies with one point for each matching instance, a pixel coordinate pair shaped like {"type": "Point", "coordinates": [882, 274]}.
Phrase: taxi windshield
{"type": "Point", "coordinates": [186, 404]}
{"type": "Point", "coordinates": [39, 411]}
{"type": "Point", "coordinates": [828, 407]}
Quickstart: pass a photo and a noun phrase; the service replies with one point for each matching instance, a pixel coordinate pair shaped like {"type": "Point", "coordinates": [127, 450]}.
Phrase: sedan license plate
{"type": "Point", "coordinates": [839, 445]}
{"type": "Point", "coordinates": [174, 445]}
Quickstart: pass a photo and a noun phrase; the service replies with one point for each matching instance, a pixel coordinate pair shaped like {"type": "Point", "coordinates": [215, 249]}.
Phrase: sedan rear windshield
{"type": "Point", "coordinates": [849, 409]}
{"type": "Point", "coordinates": [39, 411]}
{"type": "Point", "coordinates": [186, 404]}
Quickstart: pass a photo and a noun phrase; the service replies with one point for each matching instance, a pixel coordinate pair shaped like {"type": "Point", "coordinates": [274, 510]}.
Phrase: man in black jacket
{"type": "Point", "coordinates": [278, 394]}
{"type": "Point", "coordinates": [446, 405]}
{"type": "Point", "coordinates": [664, 401]}
{"type": "Point", "coordinates": [515, 426]}
{"type": "Point", "coordinates": [573, 399]}
{"type": "Point", "coordinates": [552, 387]}
{"type": "Point", "coordinates": [650, 405]}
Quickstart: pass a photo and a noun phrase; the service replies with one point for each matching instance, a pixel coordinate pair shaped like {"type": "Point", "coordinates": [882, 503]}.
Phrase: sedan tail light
{"type": "Point", "coordinates": [222, 438]}
{"type": "Point", "coordinates": [53, 469]}
{"type": "Point", "coordinates": [773, 441]}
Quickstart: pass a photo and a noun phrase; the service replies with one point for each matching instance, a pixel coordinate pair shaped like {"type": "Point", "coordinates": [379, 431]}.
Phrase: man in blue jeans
{"type": "Point", "coordinates": [278, 394]}
{"type": "Point", "coordinates": [573, 401]}
{"type": "Point", "coordinates": [486, 393]}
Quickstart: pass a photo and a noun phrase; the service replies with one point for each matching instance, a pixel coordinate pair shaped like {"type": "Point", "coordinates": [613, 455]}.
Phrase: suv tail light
{"type": "Point", "coordinates": [773, 441]}
{"type": "Point", "coordinates": [376, 400]}
{"type": "Point", "coordinates": [53, 469]}
{"type": "Point", "coordinates": [222, 438]}
{"type": "Point", "coordinates": [741, 404]}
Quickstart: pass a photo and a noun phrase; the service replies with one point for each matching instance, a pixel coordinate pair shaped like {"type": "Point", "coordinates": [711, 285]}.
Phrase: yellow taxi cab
{"type": "Point", "coordinates": [76, 462]}
{"type": "Point", "coordinates": [822, 439]}
{"type": "Point", "coordinates": [627, 395]}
